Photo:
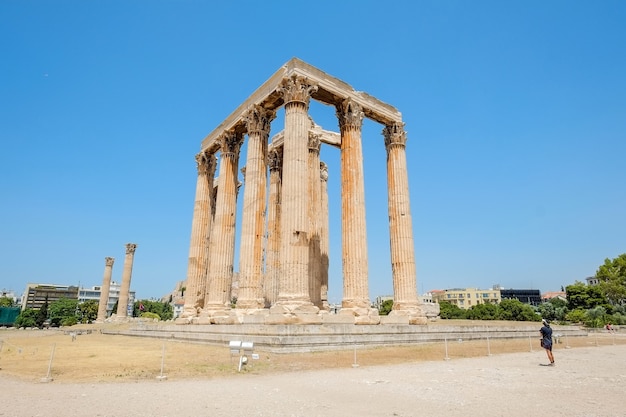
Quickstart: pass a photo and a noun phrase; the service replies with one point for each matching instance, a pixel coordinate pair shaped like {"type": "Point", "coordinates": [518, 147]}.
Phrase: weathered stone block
{"type": "Point", "coordinates": [394, 319]}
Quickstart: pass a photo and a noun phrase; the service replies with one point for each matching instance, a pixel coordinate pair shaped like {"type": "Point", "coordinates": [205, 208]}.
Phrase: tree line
{"type": "Point", "coordinates": [68, 312]}
{"type": "Point", "coordinates": [590, 305]}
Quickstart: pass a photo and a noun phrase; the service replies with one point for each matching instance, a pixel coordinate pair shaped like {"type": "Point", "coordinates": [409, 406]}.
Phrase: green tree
{"type": "Point", "coordinates": [163, 310]}
{"type": "Point", "coordinates": [27, 318]}
{"type": "Point", "coordinates": [448, 310]}
{"type": "Point", "coordinates": [612, 279]}
{"type": "Point", "coordinates": [595, 315]}
{"type": "Point", "coordinates": [385, 307]}
{"type": "Point", "coordinates": [88, 311]}
{"type": "Point", "coordinates": [576, 316]}
{"type": "Point", "coordinates": [6, 302]}
{"type": "Point", "coordinates": [517, 311]}
{"type": "Point", "coordinates": [484, 312]}
{"type": "Point", "coordinates": [580, 295]}
{"type": "Point", "coordinates": [547, 310]}
{"type": "Point", "coordinates": [62, 309]}
{"type": "Point", "coordinates": [42, 314]}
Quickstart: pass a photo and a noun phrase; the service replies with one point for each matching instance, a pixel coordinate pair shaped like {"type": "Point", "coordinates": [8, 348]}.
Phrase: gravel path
{"type": "Point", "coordinates": [585, 382]}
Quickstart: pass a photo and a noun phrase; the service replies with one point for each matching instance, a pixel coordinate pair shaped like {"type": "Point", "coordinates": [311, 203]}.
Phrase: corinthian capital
{"type": "Point", "coordinates": [297, 89]}
{"type": "Point", "coordinates": [275, 159]}
{"type": "Point", "coordinates": [350, 115]}
{"type": "Point", "coordinates": [394, 135]}
{"type": "Point", "coordinates": [109, 261]}
{"type": "Point", "coordinates": [205, 163]}
{"type": "Point", "coordinates": [314, 142]}
{"type": "Point", "coordinates": [230, 143]}
{"type": "Point", "coordinates": [130, 248]}
{"type": "Point", "coordinates": [258, 120]}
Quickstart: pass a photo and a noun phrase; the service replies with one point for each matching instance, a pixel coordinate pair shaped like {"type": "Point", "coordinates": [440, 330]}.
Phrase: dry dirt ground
{"type": "Point", "coordinates": [106, 375]}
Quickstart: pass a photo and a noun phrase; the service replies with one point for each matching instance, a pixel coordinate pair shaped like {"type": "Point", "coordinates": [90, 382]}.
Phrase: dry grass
{"type": "Point", "coordinates": [95, 357]}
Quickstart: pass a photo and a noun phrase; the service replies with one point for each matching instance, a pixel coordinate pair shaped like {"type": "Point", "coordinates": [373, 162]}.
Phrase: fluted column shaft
{"type": "Point", "coordinates": [104, 290]}
{"type": "Point", "coordinates": [315, 284]}
{"type": "Point", "coordinates": [222, 242]}
{"type": "Point", "coordinates": [122, 303]}
{"type": "Point", "coordinates": [324, 235]}
{"type": "Point", "coordinates": [258, 122]}
{"type": "Point", "coordinates": [200, 233]}
{"type": "Point", "coordinates": [294, 283]}
{"type": "Point", "coordinates": [354, 242]}
{"type": "Point", "coordinates": [400, 222]}
{"type": "Point", "coordinates": [272, 270]}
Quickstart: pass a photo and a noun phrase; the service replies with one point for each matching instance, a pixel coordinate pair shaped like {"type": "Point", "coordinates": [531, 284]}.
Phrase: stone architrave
{"type": "Point", "coordinates": [354, 243]}
{"type": "Point", "coordinates": [294, 285]}
{"type": "Point", "coordinates": [403, 269]}
{"type": "Point", "coordinates": [200, 234]}
{"type": "Point", "coordinates": [222, 242]}
{"type": "Point", "coordinates": [122, 303]}
{"type": "Point", "coordinates": [324, 236]}
{"type": "Point", "coordinates": [258, 121]}
{"type": "Point", "coordinates": [272, 269]}
{"type": "Point", "coordinates": [315, 280]}
{"type": "Point", "coordinates": [104, 290]}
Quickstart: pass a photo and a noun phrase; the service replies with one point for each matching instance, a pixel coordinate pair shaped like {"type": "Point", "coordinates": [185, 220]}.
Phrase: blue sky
{"type": "Point", "coordinates": [515, 113]}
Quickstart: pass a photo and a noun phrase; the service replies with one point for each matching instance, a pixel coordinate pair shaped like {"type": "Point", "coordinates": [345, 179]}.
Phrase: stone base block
{"type": "Point", "coordinates": [281, 319]}
{"type": "Point", "coordinates": [396, 319]}
{"type": "Point", "coordinates": [224, 320]}
{"type": "Point", "coordinates": [367, 320]}
{"type": "Point", "coordinates": [202, 320]}
{"type": "Point", "coordinates": [418, 320]}
{"type": "Point", "coordinates": [257, 317]}
{"type": "Point", "coordinates": [184, 320]}
{"type": "Point", "coordinates": [308, 318]}
{"type": "Point", "coordinates": [337, 319]}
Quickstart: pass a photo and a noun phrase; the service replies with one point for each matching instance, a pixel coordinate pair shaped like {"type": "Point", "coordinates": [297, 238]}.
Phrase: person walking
{"type": "Point", "coordinates": [546, 339]}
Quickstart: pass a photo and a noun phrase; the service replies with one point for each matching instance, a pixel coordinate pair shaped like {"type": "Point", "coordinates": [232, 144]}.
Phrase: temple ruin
{"type": "Point", "coordinates": [283, 252]}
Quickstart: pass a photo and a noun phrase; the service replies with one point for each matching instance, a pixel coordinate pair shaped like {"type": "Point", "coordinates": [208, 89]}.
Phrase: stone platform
{"type": "Point", "coordinates": [308, 338]}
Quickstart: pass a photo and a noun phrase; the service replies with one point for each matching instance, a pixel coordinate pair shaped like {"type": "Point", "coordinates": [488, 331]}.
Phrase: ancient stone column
{"type": "Point", "coordinates": [122, 302]}
{"type": "Point", "coordinates": [200, 233]}
{"type": "Point", "coordinates": [258, 121]}
{"type": "Point", "coordinates": [315, 284]}
{"type": "Point", "coordinates": [272, 269]}
{"type": "Point", "coordinates": [354, 237]}
{"type": "Point", "coordinates": [222, 241]}
{"type": "Point", "coordinates": [406, 301]}
{"type": "Point", "coordinates": [324, 236]}
{"type": "Point", "coordinates": [104, 290]}
{"type": "Point", "coordinates": [294, 284]}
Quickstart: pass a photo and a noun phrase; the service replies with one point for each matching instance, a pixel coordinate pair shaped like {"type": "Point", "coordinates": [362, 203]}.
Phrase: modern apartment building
{"type": "Point", "coordinates": [93, 293]}
{"type": "Point", "coordinates": [36, 295]}
{"type": "Point", "coordinates": [465, 298]}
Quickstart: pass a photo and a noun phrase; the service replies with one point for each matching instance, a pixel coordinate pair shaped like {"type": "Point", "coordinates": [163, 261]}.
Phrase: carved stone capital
{"type": "Point", "coordinates": [297, 89]}
{"type": "Point", "coordinates": [258, 120]}
{"type": "Point", "coordinates": [323, 171]}
{"type": "Point", "coordinates": [350, 115]}
{"type": "Point", "coordinates": [109, 261]}
{"type": "Point", "coordinates": [206, 163]}
{"type": "Point", "coordinates": [394, 135]}
{"type": "Point", "coordinates": [230, 143]}
{"type": "Point", "coordinates": [275, 159]}
{"type": "Point", "coordinates": [130, 248]}
{"type": "Point", "coordinates": [314, 142]}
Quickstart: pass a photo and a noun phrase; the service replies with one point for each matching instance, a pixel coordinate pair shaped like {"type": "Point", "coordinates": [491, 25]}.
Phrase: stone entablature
{"type": "Point", "coordinates": [330, 90]}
